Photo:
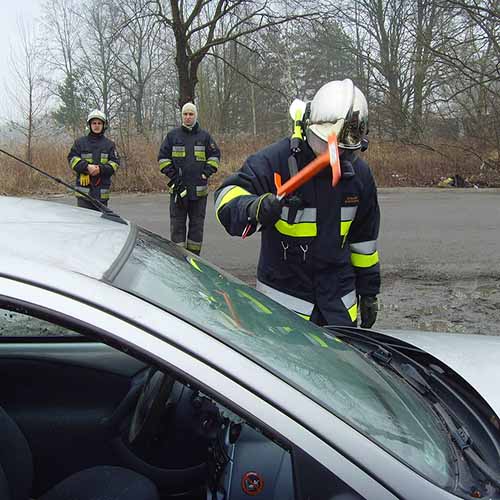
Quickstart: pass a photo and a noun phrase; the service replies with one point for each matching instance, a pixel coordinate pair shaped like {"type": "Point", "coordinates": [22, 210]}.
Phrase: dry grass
{"type": "Point", "coordinates": [393, 165]}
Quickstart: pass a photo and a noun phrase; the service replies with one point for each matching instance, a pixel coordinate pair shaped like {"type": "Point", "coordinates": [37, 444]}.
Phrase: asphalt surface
{"type": "Point", "coordinates": [439, 250]}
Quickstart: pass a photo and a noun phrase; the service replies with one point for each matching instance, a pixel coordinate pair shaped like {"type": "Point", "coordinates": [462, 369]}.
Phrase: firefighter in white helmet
{"type": "Point", "coordinates": [319, 245]}
{"type": "Point", "coordinates": [94, 160]}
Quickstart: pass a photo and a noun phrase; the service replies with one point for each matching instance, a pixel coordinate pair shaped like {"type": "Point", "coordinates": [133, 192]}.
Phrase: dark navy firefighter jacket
{"type": "Point", "coordinates": [190, 155]}
{"type": "Point", "coordinates": [98, 150]}
{"type": "Point", "coordinates": [323, 250]}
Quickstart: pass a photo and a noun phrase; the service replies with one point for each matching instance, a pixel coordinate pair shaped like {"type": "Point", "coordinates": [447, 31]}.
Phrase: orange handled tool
{"type": "Point", "coordinates": [329, 157]}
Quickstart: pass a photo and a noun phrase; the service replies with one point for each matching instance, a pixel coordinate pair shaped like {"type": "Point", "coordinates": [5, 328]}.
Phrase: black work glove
{"type": "Point", "coordinates": [172, 173]}
{"type": "Point", "coordinates": [178, 190]}
{"type": "Point", "coordinates": [368, 308]}
{"type": "Point", "coordinates": [207, 171]}
{"type": "Point", "coordinates": [266, 210]}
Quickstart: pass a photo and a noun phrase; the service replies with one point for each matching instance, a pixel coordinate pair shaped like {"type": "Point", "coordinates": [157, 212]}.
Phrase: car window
{"type": "Point", "coordinates": [375, 402]}
{"type": "Point", "coordinates": [14, 324]}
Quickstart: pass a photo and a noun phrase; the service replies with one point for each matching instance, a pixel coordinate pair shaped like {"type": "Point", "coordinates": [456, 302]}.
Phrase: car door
{"type": "Point", "coordinates": [56, 384]}
{"type": "Point", "coordinates": [224, 382]}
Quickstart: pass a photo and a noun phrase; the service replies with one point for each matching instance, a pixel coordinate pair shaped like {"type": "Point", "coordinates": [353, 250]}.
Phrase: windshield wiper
{"type": "Point", "coordinates": [106, 212]}
{"type": "Point", "coordinates": [383, 354]}
{"type": "Point", "coordinates": [463, 440]}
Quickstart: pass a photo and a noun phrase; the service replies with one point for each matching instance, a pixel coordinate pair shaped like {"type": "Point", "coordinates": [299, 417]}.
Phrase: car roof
{"type": "Point", "coordinates": [57, 235]}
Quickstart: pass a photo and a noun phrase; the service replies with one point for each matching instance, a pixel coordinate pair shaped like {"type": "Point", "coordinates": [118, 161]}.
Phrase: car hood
{"type": "Point", "coordinates": [53, 234]}
{"type": "Point", "coordinates": [473, 357]}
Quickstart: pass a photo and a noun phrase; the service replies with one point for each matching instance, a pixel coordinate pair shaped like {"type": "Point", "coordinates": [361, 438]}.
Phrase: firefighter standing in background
{"type": "Point", "coordinates": [94, 159]}
{"type": "Point", "coordinates": [319, 245]}
{"type": "Point", "coordinates": [188, 157]}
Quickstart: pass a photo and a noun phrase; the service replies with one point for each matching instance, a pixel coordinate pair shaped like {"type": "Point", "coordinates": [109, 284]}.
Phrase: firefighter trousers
{"type": "Point", "coordinates": [192, 212]}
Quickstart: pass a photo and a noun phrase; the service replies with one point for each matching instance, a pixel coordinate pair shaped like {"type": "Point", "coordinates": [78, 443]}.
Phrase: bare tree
{"type": "Point", "coordinates": [27, 89]}
{"type": "Point", "coordinates": [98, 62]}
{"type": "Point", "coordinates": [200, 25]}
{"type": "Point", "coordinates": [62, 27]}
{"type": "Point", "coordinates": [140, 53]}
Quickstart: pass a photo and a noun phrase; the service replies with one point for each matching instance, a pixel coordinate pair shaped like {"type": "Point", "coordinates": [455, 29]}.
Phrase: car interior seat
{"type": "Point", "coordinates": [96, 483]}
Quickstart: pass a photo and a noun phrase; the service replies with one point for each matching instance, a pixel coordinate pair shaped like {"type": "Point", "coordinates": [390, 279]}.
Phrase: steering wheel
{"type": "Point", "coordinates": [150, 405]}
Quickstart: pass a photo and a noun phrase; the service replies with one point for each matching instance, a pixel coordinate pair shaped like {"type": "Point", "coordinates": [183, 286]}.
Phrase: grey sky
{"type": "Point", "coordinates": [10, 10]}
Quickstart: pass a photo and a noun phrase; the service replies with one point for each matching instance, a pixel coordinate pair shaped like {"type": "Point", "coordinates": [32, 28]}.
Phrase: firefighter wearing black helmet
{"type": "Point", "coordinates": [94, 160]}
{"type": "Point", "coordinates": [318, 246]}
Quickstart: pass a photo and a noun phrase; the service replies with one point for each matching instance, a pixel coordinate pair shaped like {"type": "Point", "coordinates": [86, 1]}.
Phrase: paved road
{"type": "Point", "coordinates": [448, 232]}
{"type": "Point", "coordinates": [440, 254]}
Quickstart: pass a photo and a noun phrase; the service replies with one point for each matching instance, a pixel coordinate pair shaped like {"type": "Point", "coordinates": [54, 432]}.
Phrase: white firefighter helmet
{"type": "Point", "coordinates": [340, 107]}
{"type": "Point", "coordinates": [99, 115]}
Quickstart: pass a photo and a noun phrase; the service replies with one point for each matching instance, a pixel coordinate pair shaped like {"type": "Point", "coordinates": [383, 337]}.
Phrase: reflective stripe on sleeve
{"type": "Point", "coordinates": [226, 195]}
{"type": "Point", "coordinates": [360, 260]}
{"type": "Point", "coordinates": [114, 165]}
{"type": "Point", "coordinates": [364, 247]}
{"type": "Point", "coordinates": [213, 161]}
{"type": "Point", "coordinates": [300, 306]}
{"type": "Point", "coordinates": [164, 162]}
{"type": "Point", "coordinates": [74, 161]}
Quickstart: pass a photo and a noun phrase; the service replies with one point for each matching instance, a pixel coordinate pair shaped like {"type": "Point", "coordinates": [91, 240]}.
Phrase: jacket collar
{"type": "Point", "coordinates": [191, 130]}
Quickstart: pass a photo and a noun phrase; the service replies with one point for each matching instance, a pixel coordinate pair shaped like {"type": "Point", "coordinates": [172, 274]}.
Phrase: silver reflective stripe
{"type": "Point", "coordinates": [199, 148]}
{"type": "Point", "coordinates": [364, 247]}
{"type": "Point", "coordinates": [103, 191]}
{"type": "Point", "coordinates": [104, 155]}
{"type": "Point", "coordinates": [213, 158]}
{"type": "Point", "coordinates": [350, 299]}
{"type": "Point", "coordinates": [178, 148]}
{"type": "Point", "coordinates": [86, 156]}
{"type": "Point", "coordinates": [348, 213]}
{"type": "Point", "coordinates": [221, 196]}
{"type": "Point", "coordinates": [294, 303]}
{"type": "Point", "coordinates": [201, 190]}
{"type": "Point", "coordinates": [305, 215]}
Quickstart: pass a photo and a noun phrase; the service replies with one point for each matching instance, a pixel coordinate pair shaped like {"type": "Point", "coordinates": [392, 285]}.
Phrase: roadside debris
{"type": "Point", "coordinates": [456, 181]}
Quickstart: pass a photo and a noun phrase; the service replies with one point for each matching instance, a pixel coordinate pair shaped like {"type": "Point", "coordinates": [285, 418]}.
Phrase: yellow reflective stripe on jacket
{"type": "Point", "coordinates": [344, 227]}
{"type": "Point", "coordinates": [361, 260]}
{"type": "Point", "coordinates": [178, 151]}
{"type": "Point", "coordinates": [304, 223]}
{"type": "Point", "coordinates": [301, 230]}
{"type": "Point", "coordinates": [226, 195]}
{"type": "Point", "coordinates": [199, 153]}
{"type": "Point", "coordinates": [347, 215]}
{"type": "Point", "coordinates": [350, 302]}
{"type": "Point", "coordinates": [74, 161]}
{"type": "Point", "coordinates": [164, 162]}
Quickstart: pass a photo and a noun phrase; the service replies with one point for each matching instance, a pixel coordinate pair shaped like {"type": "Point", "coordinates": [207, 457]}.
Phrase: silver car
{"type": "Point", "coordinates": [132, 367]}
